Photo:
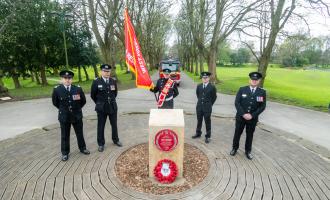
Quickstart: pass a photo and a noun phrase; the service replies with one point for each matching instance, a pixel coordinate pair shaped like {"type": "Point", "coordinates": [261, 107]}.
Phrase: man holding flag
{"type": "Point", "coordinates": [167, 89]}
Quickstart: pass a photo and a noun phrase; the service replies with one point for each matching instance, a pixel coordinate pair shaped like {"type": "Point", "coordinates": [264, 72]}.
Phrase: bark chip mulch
{"type": "Point", "coordinates": [132, 170]}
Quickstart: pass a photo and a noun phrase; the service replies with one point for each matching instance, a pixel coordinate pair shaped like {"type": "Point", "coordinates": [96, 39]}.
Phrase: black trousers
{"type": "Point", "coordinates": [249, 126]}
{"type": "Point", "coordinates": [168, 105]}
{"type": "Point", "coordinates": [101, 120]}
{"type": "Point", "coordinates": [207, 118]}
{"type": "Point", "coordinates": [65, 136]}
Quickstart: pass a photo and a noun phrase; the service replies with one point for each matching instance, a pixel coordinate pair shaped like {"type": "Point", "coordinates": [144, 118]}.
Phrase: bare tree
{"type": "Point", "coordinates": [102, 16]}
{"type": "Point", "coordinates": [185, 40]}
{"type": "Point", "coordinates": [156, 26]}
{"type": "Point", "coordinates": [229, 17]}
{"type": "Point", "coordinates": [152, 24]}
{"type": "Point", "coordinates": [269, 20]}
{"type": "Point", "coordinates": [198, 21]}
{"type": "Point", "coordinates": [211, 22]}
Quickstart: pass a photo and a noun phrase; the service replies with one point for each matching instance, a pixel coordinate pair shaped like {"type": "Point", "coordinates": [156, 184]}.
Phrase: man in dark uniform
{"type": "Point", "coordinates": [250, 102]}
{"type": "Point", "coordinates": [69, 99]}
{"type": "Point", "coordinates": [206, 95]}
{"type": "Point", "coordinates": [104, 92]}
{"type": "Point", "coordinates": [172, 92]}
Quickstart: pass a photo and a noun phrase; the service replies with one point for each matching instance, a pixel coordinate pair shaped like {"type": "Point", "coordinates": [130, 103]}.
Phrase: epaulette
{"type": "Point", "coordinates": [56, 86]}
{"type": "Point", "coordinates": [78, 85]}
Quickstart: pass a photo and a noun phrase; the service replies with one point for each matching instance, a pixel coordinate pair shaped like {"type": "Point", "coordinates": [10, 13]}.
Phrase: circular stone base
{"type": "Point", "coordinates": [132, 170]}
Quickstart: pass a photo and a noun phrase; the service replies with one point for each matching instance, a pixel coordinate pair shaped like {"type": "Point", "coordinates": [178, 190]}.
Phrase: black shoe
{"type": "Point", "coordinates": [196, 136]}
{"type": "Point", "coordinates": [119, 144]}
{"type": "Point", "coordinates": [101, 148]}
{"type": "Point", "coordinates": [85, 151]}
{"type": "Point", "coordinates": [65, 157]}
{"type": "Point", "coordinates": [207, 140]}
{"type": "Point", "coordinates": [249, 155]}
{"type": "Point", "coordinates": [233, 152]}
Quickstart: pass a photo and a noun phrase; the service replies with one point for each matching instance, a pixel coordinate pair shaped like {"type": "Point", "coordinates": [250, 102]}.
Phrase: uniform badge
{"type": "Point", "coordinates": [112, 87]}
{"type": "Point", "coordinates": [100, 86]}
{"type": "Point", "coordinates": [244, 95]}
{"type": "Point", "coordinates": [260, 99]}
{"type": "Point", "coordinates": [76, 97]}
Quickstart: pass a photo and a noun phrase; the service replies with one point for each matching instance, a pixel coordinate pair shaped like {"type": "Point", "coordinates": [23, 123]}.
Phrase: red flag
{"type": "Point", "coordinates": [134, 58]}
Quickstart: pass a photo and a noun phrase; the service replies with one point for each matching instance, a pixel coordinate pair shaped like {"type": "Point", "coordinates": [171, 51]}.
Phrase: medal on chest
{"type": "Point", "coordinates": [260, 99]}
{"type": "Point", "coordinates": [112, 87]}
{"type": "Point", "coordinates": [76, 97]}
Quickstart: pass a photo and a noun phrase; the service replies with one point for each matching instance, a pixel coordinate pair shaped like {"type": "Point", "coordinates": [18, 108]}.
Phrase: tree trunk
{"type": "Point", "coordinates": [36, 75]}
{"type": "Point", "coordinates": [121, 66]}
{"type": "Point", "coordinates": [16, 81]}
{"type": "Point", "coordinates": [86, 73]}
{"type": "Point", "coordinates": [32, 76]}
{"type": "Point", "coordinates": [191, 65]}
{"type": "Point", "coordinates": [56, 71]}
{"type": "Point", "coordinates": [96, 73]}
{"type": "Point", "coordinates": [152, 65]}
{"type": "Point", "coordinates": [266, 55]}
{"type": "Point", "coordinates": [43, 75]}
{"type": "Point", "coordinates": [196, 66]}
{"type": "Point", "coordinates": [3, 89]}
{"type": "Point", "coordinates": [212, 66]}
{"type": "Point", "coordinates": [79, 74]}
{"type": "Point", "coordinates": [201, 67]}
{"type": "Point", "coordinates": [106, 53]}
{"type": "Point", "coordinates": [262, 68]}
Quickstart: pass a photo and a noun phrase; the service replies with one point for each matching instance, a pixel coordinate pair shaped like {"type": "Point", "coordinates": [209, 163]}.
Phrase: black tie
{"type": "Point", "coordinates": [253, 89]}
{"type": "Point", "coordinates": [68, 88]}
{"type": "Point", "coordinates": [107, 81]}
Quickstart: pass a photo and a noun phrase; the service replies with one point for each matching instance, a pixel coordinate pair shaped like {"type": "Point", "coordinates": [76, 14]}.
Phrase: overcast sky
{"type": "Point", "coordinates": [319, 24]}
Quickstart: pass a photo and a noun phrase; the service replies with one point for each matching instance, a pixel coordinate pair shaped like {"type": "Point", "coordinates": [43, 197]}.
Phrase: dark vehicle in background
{"type": "Point", "coordinates": [174, 66]}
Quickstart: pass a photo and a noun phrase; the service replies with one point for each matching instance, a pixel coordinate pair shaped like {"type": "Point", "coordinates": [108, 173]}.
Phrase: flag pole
{"type": "Point", "coordinates": [125, 7]}
{"type": "Point", "coordinates": [156, 97]}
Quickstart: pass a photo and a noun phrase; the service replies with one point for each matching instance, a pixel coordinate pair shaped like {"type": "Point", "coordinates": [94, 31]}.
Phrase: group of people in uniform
{"type": "Point", "coordinates": [70, 99]}
{"type": "Point", "coordinates": [250, 102]}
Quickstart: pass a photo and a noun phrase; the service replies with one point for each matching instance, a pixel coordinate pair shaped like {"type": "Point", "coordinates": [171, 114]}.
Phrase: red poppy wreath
{"type": "Point", "coordinates": [166, 171]}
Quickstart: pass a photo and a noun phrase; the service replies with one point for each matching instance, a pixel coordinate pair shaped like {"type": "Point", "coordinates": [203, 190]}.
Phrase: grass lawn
{"type": "Point", "coordinates": [305, 88]}
{"type": "Point", "coordinates": [31, 90]}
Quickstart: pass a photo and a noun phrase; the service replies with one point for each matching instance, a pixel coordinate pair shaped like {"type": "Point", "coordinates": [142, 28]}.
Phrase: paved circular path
{"type": "Point", "coordinates": [30, 165]}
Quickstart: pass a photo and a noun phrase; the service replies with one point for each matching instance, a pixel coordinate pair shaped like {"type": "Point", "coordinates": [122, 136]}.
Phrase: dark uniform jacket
{"type": "Point", "coordinates": [246, 102]}
{"type": "Point", "coordinates": [104, 95]}
{"type": "Point", "coordinates": [206, 97]}
{"type": "Point", "coordinates": [172, 92]}
{"type": "Point", "coordinates": [69, 104]}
